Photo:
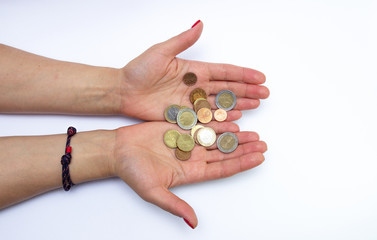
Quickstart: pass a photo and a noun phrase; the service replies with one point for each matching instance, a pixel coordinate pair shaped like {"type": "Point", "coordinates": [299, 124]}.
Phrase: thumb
{"type": "Point", "coordinates": [166, 200]}
{"type": "Point", "coordinates": [181, 42]}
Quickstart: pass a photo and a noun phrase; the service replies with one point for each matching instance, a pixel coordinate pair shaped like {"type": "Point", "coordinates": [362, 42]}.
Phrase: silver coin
{"type": "Point", "coordinates": [226, 100]}
{"type": "Point", "coordinates": [173, 112]}
{"type": "Point", "coordinates": [206, 136]}
{"type": "Point", "coordinates": [186, 118]}
{"type": "Point", "coordinates": [227, 142]}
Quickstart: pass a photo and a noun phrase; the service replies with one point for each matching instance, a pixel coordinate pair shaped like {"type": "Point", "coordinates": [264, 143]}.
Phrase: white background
{"type": "Point", "coordinates": [319, 179]}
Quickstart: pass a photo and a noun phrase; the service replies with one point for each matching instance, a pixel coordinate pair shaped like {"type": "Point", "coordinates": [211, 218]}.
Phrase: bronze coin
{"type": "Point", "coordinates": [204, 115]}
{"type": "Point", "coordinates": [197, 93]}
{"type": "Point", "coordinates": [199, 104]}
{"type": "Point", "coordinates": [190, 79]}
{"type": "Point", "coordinates": [182, 155]}
{"type": "Point", "coordinates": [220, 115]}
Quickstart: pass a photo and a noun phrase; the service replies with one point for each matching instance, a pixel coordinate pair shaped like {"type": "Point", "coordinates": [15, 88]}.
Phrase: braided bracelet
{"type": "Point", "coordinates": [66, 160]}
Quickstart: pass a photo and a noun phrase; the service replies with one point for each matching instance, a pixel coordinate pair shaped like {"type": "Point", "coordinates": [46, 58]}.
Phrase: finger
{"type": "Point", "coordinates": [227, 168]}
{"type": "Point", "coordinates": [232, 115]}
{"type": "Point", "coordinates": [242, 149]}
{"type": "Point", "coordinates": [166, 200]}
{"type": "Point", "coordinates": [230, 72]}
{"type": "Point", "coordinates": [243, 137]}
{"type": "Point", "coordinates": [220, 127]}
{"type": "Point", "coordinates": [241, 104]}
{"type": "Point", "coordinates": [240, 89]}
{"type": "Point", "coordinates": [181, 42]}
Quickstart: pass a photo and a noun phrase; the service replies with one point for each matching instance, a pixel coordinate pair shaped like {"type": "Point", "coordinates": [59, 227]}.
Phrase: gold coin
{"type": "Point", "coordinates": [186, 118]}
{"type": "Point", "coordinates": [170, 138]}
{"type": "Point", "coordinates": [206, 136]}
{"type": "Point", "coordinates": [190, 79]}
{"type": "Point", "coordinates": [185, 142]}
{"type": "Point", "coordinates": [182, 155]}
{"type": "Point", "coordinates": [220, 115]}
{"type": "Point", "coordinates": [226, 100]}
{"type": "Point", "coordinates": [198, 100]}
{"type": "Point", "coordinates": [204, 115]}
{"type": "Point", "coordinates": [201, 104]}
{"type": "Point", "coordinates": [197, 93]}
{"type": "Point", "coordinates": [171, 113]}
{"type": "Point", "coordinates": [194, 129]}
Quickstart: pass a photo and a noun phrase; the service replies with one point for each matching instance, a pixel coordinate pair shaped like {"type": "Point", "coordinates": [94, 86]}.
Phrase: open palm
{"type": "Point", "coordinates": [154, 80]}
{"type": "Point", "coordinates": [150, 168]}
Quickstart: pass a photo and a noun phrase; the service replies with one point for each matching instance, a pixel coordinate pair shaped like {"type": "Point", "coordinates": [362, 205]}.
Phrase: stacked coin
{"type": "Point", "coordinates": [204, 136]}
{"type": "Point", "coordinates": [183, 143]}
{"type": "Point", "coordinates": [182, 115]}
{"type": "Point", "coordinates": [198, 97]}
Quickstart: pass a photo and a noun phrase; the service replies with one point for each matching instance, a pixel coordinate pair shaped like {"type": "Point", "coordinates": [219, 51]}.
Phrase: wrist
{"type": "Point", "coordinates": [92, 155]}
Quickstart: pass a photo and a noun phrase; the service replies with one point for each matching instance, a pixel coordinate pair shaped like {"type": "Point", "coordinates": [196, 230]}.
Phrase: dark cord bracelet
{"type": "Point", "coordinates": [66, 160]}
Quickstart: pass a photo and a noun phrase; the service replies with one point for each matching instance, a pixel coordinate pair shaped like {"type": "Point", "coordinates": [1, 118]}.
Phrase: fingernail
{"type": "Point", "coordinates": [196, 23]}
{"type": "Point", "coordinates": [188, 223]}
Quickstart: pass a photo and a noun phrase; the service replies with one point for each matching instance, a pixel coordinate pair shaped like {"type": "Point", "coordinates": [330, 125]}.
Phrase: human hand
{"type": "Point", "coordinates": [154, 80]}
{"type": "Point", "coordinates": [150, 168]}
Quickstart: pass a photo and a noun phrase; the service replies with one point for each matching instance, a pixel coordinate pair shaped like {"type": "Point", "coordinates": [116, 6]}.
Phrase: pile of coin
{"type": "Point", "coordinates": [187, 119]}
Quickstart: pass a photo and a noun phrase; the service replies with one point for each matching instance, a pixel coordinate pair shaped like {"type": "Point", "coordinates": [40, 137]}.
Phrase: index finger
{"type": "Point", "coordinates": [228, 72]}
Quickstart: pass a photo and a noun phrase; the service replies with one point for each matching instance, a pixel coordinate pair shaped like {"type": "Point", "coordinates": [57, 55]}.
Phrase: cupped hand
{"type": "Point", "coordinates": [154, 80]}
{"type": "Point", "coordinates": [150, 168]}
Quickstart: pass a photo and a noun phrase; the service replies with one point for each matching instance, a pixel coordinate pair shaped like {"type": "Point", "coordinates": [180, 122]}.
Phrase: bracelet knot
{"type": "Point", "coordinates": [66, 159]}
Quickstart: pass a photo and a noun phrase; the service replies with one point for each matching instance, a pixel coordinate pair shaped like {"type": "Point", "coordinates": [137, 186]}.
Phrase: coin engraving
{"type": "Point", "coordinates": [182, 155]}
{"type": "Point", "coordinates": [170, 138]}
{"type": "Point", "coordinates": [226, 100]}
{"type": "Point", "coordinates": [185, 142]}
{"type": "Point", "coordinates": [227, 142]}
{"type": "Point", "coordinates": [220, 115]}
{"type": "Point", "coordinates": [197, 93]}
{"type": "Point", "coordinates": [190, 79]}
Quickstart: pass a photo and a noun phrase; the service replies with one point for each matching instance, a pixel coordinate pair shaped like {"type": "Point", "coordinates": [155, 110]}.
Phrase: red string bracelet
{"type": "Point", "coordinates": [66, 160]}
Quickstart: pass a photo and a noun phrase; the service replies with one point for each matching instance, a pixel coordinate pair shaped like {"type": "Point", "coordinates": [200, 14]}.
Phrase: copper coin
{"type": "Point", "coordinates": [199, 104]}
{"type": "Point", "coordinates": [220, 115]}
{"type": "Point", "coordinates": [182, 155]}
{"type": "Point", "coordinates": [204, 115]}
{"type": "Point", "coordinates": [197, 93]}
{"type": "Point", "coordinates": [190, 79]}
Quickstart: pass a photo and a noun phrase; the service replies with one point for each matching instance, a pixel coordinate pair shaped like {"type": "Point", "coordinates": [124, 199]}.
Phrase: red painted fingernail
{"type": "Point", "coordinates": [188, 223]}
{"type": "Point", "coordinates": [195, 23]}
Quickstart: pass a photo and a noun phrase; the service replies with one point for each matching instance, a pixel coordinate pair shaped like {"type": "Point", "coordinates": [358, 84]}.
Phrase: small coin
{"type": "Point", "coordinates": [185, 142]}
{"type": "Point", "coordinates": [190, 79]}
{"type": "Point", "coordinates": [186, 118]}
{"type": "Point", "coordinates": [226, 100]}
{"type": "Point", "coordinates": [227, 142]}
{"type": "Point", "coordinates": [220, 115]}
{"type": "Point", "coordinates": [202, 103]}
{"type": "Point", "coordinates": [206, 136]}
{"type": "Point", "coordinates": [171, 113]}
{"type": "Point", "coordinates": [204, 115]}
{"type": "Point", "coordinates": [194, 129]}
{"type": "Point", "coordinates": [182, 155]}
{"type": "Point", "coordinates": [197, 93]}
{"type": "Point", "coordinates": [170, 138]}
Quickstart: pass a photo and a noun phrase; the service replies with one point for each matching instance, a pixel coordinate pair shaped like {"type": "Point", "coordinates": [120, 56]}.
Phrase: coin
{"type": "Point", "coordinates": [190, 79]}
{"type": "Point", "coordinates": [170, 138]}
{"type": "Point", "coordinates": [171, 113]}
{"type": "Point", "coordinates": [202, 103]}
{"type": "Point", "coordinates": [226, 100]}
{"type": "Point", "coordinates": [227, 142]}
{"type": "Point", "coordinates": [220, 115]}
{"type": "Point", "coordinates": [185, 142]}
{"type": "Point", "coordinates": [206, 136]}
{"type": "Point", "coordinates": [197, 93]}
{"type": "Point", "coordinates": [196, 137]}
{"type": "Point", "coordinates": [194, 129]}
{"type": "Point", "coordinates": [204, 115]}
{"type": "Point", "coordinates": [182, 155]}
{"type": "Point", "coordinates": [186, 118]}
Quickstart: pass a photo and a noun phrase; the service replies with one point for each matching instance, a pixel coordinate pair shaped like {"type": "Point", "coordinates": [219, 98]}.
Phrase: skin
{"type": "Point", "coordinates": [31, 83]}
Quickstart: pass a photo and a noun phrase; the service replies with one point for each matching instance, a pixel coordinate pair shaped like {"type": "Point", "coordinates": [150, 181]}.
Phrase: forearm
{"type": "Point", "coordinates": [31, 165]}
{"type": "Point", "coordinates": [31, 83]}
